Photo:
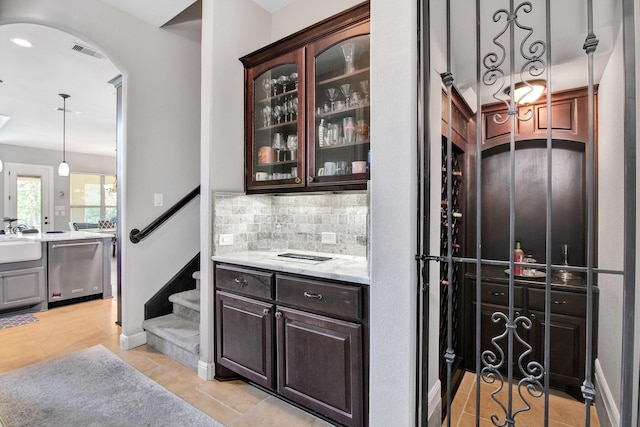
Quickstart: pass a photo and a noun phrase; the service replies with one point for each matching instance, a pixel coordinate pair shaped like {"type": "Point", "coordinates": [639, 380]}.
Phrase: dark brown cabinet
{"type": "Point", "coordinates": [306, 341]}
{"type": "Point", "coordinates": [307, 108]}
{"type": "Point", "coordinates": [567, 327]}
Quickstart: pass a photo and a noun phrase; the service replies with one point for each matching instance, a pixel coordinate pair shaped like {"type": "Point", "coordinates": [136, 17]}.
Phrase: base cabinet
{"type": "Point", "coordinates": [22, 288]}
{"type": "Point", "coordinates": [302, 338]}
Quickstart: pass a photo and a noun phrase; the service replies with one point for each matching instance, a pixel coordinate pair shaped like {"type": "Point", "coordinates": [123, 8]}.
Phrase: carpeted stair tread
{"type": "Point", "coordinates": [177, 330]}
{"type": "Point", "coordinates": [189, 299]}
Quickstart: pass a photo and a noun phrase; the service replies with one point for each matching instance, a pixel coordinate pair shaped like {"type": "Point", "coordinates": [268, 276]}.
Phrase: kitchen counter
{"type": "Point", "coordinates": [53, 237]}
{"type": "Point", "coordinates": [497, 274]}
{"type": "Point", "coordinates": [346, 268]}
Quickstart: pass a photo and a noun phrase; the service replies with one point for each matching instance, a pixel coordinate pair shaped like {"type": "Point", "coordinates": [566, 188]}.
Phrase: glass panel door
{"type": "Point", "coordinates": [27, 197]}
{"type": "Point", "coordinates": [29, 201]}
{"type": "Point", "coordinates": [340, 98]}
{"type": "Point", "coordinates": [276, 128]}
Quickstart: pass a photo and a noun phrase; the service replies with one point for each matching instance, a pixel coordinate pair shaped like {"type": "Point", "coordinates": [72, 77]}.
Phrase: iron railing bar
{"type": "Point", "coordinates": [629, 242]}
{"type": "Point", "coordinates": [549, 221]}
{"type": "Point", "coordinates": [478, 212]}
{"type": "Point", "coordinates": [588, 391]}
{"type": "Point", "coordinates": [137, 235]}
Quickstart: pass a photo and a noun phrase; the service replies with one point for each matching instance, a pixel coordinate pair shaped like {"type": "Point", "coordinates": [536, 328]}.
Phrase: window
{"type": "Point", "coordinates": [93, 197]}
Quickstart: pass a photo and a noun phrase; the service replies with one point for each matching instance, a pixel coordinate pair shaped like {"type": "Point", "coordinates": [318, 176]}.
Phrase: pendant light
{"type": "Point", "coordinates": [63, 169]}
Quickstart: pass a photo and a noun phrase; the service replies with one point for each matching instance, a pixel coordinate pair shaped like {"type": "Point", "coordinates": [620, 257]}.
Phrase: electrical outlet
{"type": "Point", "coordinates": [226, 239]}
{"type": "Point", "coordinates": [328, 238]}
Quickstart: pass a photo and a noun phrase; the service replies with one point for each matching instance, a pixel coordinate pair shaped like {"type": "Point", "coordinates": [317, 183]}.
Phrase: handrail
{"type": "Point", "coordinates": [137, 235]}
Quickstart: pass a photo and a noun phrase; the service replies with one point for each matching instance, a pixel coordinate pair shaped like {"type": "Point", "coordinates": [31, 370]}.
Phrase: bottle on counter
{"type": "Point", "coordinates": [518, 256]}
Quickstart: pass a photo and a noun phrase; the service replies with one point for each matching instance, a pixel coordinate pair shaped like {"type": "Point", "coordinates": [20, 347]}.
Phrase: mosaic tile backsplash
{"type": "Point", "coordinates": [266, 222]}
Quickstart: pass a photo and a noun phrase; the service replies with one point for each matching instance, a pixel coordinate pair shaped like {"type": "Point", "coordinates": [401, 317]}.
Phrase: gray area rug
{"type": "Point", "coordinates": [92, 387]}
{"type": "Point", "coordinates": [11, 320]}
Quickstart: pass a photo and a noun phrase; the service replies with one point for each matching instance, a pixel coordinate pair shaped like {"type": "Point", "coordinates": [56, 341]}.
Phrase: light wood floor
{"type": "Point", "coordinates": [67, 329]}
{"type": "Point", "coordinates": [564, 411]}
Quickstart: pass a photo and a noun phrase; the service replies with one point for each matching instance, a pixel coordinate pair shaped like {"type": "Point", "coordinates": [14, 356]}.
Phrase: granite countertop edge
{"type": "Point", "coordinates": [346, 268]}
{"type": "Point", "coordinates": [498, 275]}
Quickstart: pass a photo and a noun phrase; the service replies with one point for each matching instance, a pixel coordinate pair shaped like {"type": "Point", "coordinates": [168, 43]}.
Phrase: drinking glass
{"type": "Point", "coordinates": [349, 129]}
{"type": "Point", "coordinates": [266, 115]}
{"type": "Point", "coordinates": [332, 94]}
{"type": "Point", "coordinates": [364, 84]}
{"type": "Point", "coordinates": [346, 91]}
{"type": "Point", "coordinates": [278, 112]}
{"type": "Point", "coordinates": [348, 51]}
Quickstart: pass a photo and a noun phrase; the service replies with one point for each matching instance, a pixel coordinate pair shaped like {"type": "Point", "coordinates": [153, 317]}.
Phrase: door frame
{"type": "Point", "coordinates": [43, 171]}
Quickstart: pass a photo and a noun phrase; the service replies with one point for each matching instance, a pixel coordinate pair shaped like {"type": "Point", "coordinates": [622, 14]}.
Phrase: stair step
{"type": "Point", "coordinates": [179, 331]}
{"type": "Point", "coordinates": [179, 354]}
{"type": "Point", "coordinates": [189, 299]}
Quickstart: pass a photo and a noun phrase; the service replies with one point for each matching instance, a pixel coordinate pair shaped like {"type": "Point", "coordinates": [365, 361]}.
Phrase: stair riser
{"type": "Point", "coordinates": [186, 313]}
{"type": "Point", "coordinates": [188, 359]}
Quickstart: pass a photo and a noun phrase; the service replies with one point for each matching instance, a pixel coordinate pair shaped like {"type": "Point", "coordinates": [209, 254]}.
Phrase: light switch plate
{"type": "Point", "coordinates": [226, 239]}
{"type": "Point", "coordinates": [328, 238]}
{"type": "Point", "coordinates": [158, 199]}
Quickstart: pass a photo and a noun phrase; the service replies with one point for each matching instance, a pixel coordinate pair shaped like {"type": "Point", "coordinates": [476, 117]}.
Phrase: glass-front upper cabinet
{"type": "Point", "coordinates": [338, 116]}
{"type": "Point", "coordinates": [275, 119]}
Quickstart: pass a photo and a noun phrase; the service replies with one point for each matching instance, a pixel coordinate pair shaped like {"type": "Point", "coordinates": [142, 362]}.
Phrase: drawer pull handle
{"type": "Point", "coordinates": [533, 316]}
{"type": "Point", "coordinates": [278, 314]}
{"type": "Point", "coordinates": [559, 302]}
{"type": "Point", "coordinates": [241, 282]}
{"type": "Point", "coordinates": [265, 311]}
{"type": "Point", "coordinates": [496, 294]}
{"type": "Point", "coordinates": [313, 295]}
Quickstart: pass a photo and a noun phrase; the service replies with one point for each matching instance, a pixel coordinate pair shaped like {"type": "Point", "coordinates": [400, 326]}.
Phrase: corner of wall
{"type": "Point", "coordinates": [127, 342]}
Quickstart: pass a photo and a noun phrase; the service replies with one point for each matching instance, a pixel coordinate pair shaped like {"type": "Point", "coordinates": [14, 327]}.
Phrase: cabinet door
{"type": "Point", "coordinates": [338, 108]}
{"type": "Point", "coordinates": [21, 288]}
{"type": "Point", "coordinates": [244, 337]}
{"type": "Point", "coordinates": [567, 354]}
{"type": "Point", "coordinates": [320, 364]}
{"type": "Point", "coordinates": [274, 120]}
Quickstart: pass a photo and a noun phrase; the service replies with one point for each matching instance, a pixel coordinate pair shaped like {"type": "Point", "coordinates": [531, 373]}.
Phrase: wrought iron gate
{"type": "Point", "coordinates": [518, 55]}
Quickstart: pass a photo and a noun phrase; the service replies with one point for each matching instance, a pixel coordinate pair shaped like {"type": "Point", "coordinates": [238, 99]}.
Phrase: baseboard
{"type": "Point", "coordinates": [608, 412]}
{"type": "Point", "coordinates": [127, 342]}
{"type": "Point", "coordinates": [435, 405]}
{"type": "Point", "coordinates": [206, 370]}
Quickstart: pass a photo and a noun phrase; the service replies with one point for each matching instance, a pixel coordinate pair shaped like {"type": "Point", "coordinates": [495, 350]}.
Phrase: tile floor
{"type": "Point", "coordinates": [564, 411]}
{"type": "Point", "coordinates": [74, 327]}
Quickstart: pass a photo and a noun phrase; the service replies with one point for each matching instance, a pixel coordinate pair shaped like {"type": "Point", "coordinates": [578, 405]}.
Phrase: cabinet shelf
{"type": "Point", "coordinates": [362, 72]}
{"type": "Point", "coordinates": [345, 145]}
{"type": "Point", "coordinates": [278, 125]}
{"type": "Point", "coordinates": [278, 96]}
{"type": "Point", "coordinates": [342, 112]}
{"type": "Point", "coordinates": [270, 165]}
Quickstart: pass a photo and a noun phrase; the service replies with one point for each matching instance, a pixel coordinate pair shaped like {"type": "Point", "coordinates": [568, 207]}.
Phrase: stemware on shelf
{"type": "Point", "coordinates": [346, 91]}
{"type": "Point", "coordinates": [332, 94]}
{"type": "Point", "coordinates": [348, 50]}
{"type": "Point", "coordinates": [364, 84]}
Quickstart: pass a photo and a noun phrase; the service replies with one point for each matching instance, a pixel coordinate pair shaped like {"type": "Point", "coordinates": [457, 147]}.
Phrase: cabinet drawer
{"type": "Point", "coordinates": [245, 281]}
{"type": "Point", "coordinates": [494, 293]}
{"type": "Point", "coordinates": [561, 302]}
{"type": "Point", "coordinates": [330, 298]}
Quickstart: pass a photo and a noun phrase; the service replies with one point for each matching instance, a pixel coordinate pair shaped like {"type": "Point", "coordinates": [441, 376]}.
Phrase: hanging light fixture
{"type": "Point", "coordinates": [527, 93]}
{"type": "Point", "coordinates": [63, 169]}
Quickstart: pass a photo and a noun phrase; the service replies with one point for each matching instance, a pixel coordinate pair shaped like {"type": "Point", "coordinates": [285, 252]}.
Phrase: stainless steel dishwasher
{"type": "Point", "coordinates": [75, 269]}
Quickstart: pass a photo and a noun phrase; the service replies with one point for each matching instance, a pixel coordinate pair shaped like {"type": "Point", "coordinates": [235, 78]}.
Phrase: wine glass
{"type": "Point", "coordinates": [294, 78]}
{"type": "Point", "coordinates": [365, 88]}
{"type": "Point", "coordinates": [332, 94]}
{"type": "Point", "coordinates": [346, 91]}
{"type": "Point", "coordinates": [277, 113]}
{"type": "Point", "coordinates": [266, 115]}
{"type": "Point", "coordinates": [266, 86]}
{"type": "Point", "coordinates": [283, 81]}
{"type": "Point", "coordinates": [274, 86]}
{"type": "Point", "coordinates": [348, 51]}
{"type": "Point", "coordinates": [295, 106]}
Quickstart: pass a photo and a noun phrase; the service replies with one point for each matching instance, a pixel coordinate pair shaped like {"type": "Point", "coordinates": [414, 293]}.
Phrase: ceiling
{"type": "Point", "coordinates": [33, 77]}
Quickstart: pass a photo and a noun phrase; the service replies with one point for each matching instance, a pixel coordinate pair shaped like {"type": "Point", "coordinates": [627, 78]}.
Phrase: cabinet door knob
{"type": "Point", "coordinates": [310, 179]}
{"type": "Point", "coordinates": [496, 294]}
{"type": "Point", "coordinates": [313, 295]}
{"type": "Point", "coordinates": [278, 314]}
{"type": "Point", "coordinates": [241, 282]}
{"type": "Point", "coordinates": [265, 311]}
{"type": "Point", "coordinates": [517, 313]}
{"type": "Point", "coordinates": [533, 316]}
{"type": "Point", "coordinates": [298, 180]}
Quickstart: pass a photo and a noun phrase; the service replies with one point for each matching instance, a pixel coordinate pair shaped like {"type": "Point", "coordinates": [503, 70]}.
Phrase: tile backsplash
{"type": "Point", "coordinates": [266, 222]}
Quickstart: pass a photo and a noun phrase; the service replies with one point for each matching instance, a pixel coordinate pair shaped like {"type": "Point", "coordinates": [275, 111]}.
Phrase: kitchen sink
{"type": "Point", "coordinates": [15, 250]}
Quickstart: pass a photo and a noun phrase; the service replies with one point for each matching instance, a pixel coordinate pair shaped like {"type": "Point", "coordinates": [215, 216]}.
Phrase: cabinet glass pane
{"type": "Point", "coordinates": [275, 124]}
{"type": "Point", "coordinates": [342, 144]}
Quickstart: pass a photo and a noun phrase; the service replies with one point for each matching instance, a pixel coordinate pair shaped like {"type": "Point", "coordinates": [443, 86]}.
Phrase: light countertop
{"type": "Point", "coordinates": [347, 268]}
{"type": "Point", "coordinates": [52, 237]}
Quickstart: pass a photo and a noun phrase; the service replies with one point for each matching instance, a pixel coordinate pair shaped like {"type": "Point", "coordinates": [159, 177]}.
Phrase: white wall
{"type": "Point", "coordinates": [610, 227]}
{"type": "Point", "coordinates": [161, 135]}
{"type": "Point", "coordinates": [393, 204]}
{"type": "Point", "coordinates": [81, 163]}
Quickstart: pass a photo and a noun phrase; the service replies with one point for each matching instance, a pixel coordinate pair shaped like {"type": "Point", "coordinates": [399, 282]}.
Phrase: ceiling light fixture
{"type": "Point", "coordinates": [21, 42]}
{"type": "Point", "coordinates": [527, 92]}
{"type": "Point", "coordinates": [63, 169]}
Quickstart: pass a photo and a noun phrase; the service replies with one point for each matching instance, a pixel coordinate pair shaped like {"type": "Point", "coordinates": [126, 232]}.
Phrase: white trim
{"type": "Point", "coordinates": [435, 399]}
{"type": "Point", "coordinates": [127, 342]}
{"type": "Point", "coordinates": [206, 370]}
{"type": "Point", "coordinates": [610, 406]}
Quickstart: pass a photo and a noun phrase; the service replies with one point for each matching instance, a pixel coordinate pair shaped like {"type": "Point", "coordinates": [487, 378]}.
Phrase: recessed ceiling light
{"type": "Point", "coordinates": [21, 42]}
